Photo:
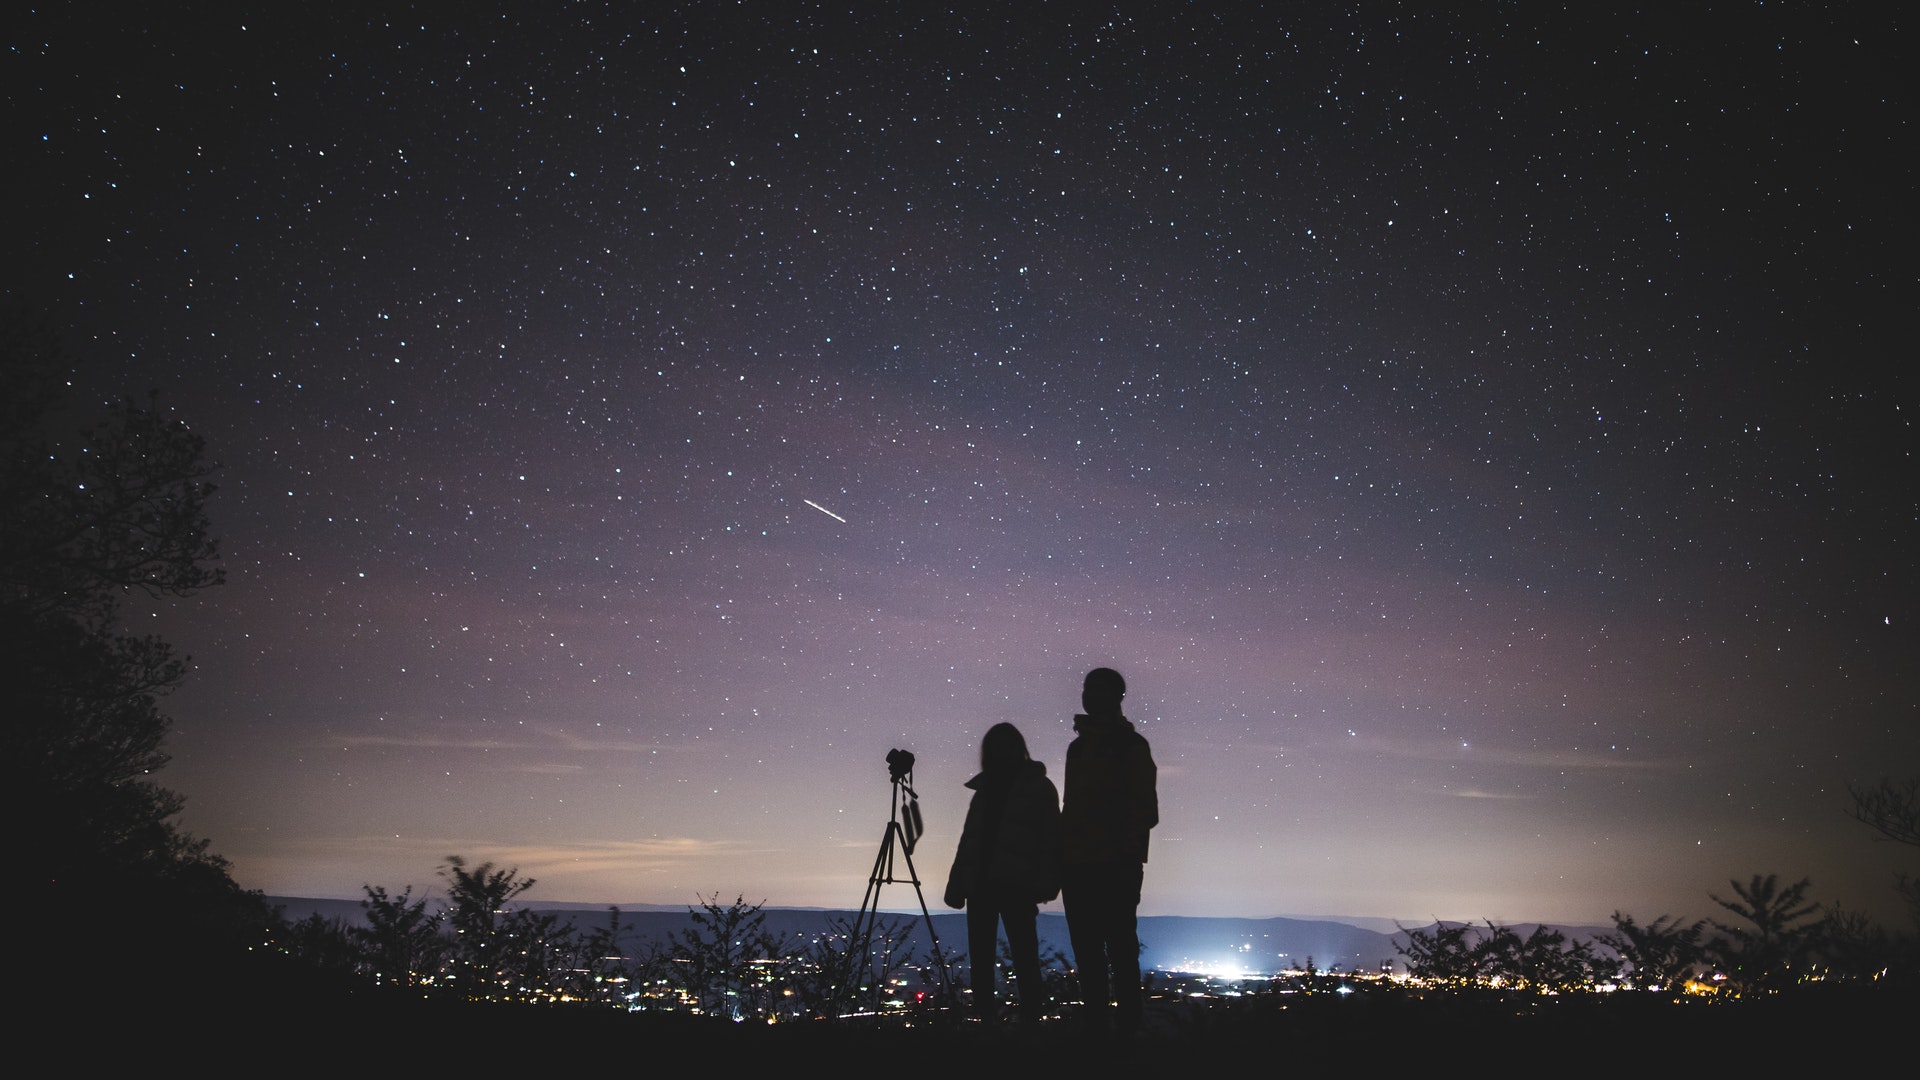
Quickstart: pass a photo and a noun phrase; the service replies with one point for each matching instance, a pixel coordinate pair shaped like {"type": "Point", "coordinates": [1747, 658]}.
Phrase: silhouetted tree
{"type": "Point", "coordinates": [602, 970]}
{"type": "Point", "coordinates": [480, 948]}
{"type": "Point", "coordinates": [723, 961]}
{"type": "Point", "coordinates": [1496, 956]}
{"type": "Point", "coordinates": [327, 944]}
{"type": "Point", "coordinates": [1892, 809]}
{"type": "Point", "coordinates": [85, 520]}
{"type": "Point", "coordinates": [537, 956]}
{"type": "Point", "coordinates": [401, 943]}
{"type": "Point", "coordinates": [829, 979]}
{"type": "Point", "coordinates": [476, 906]}
{"type": "Point", "coordinates": [1443, 956]}
{"type": "Point", "coordinates": [1659, 955]}
{"type": "Point", "coordinates": [823, 973]}
{"type": "Point", "coordinates": [1461, 956]}
{"type": "Point", "coordinates": [650, 975]}
{"type": "Point", "coordinates": [1853, 949]}
{"type": "Point", "coordinates": [1558, 964]}
{"type": "Point", "coordinates": [1314, 979]}
{"type": "Point", "coordinates": [85, 729]}
{"type": "Point", "coordinates": [890, 953]}
{"type": "Point", "coordinates": [1780, 932]}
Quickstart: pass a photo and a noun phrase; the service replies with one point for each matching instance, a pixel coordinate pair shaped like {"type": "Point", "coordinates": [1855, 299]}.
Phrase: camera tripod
{"type": "Point", "coordinates": [903, 803]}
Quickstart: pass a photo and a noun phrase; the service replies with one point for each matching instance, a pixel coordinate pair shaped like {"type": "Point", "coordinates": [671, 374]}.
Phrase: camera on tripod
{"type": "Point", "coordinates": [903, 831]}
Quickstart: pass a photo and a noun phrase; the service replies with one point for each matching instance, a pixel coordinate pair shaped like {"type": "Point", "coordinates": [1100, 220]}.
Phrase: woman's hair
{"type": "Point", "coordinates": [1003, 748]}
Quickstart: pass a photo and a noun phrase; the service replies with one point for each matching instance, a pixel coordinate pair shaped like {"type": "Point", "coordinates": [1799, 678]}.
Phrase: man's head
{"type": "Point", "coordinates": [1103, 692]}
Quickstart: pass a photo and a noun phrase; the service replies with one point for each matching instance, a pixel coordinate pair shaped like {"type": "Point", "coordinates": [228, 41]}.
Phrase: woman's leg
{"type": "Point", "coordinates": [1023, 941]}
{"type": "Point", "coordinates": [983, 940]}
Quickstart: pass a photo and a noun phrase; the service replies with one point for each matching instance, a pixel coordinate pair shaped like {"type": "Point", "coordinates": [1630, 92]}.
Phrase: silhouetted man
{"type": "Point", "coordinates": [1110, 805]}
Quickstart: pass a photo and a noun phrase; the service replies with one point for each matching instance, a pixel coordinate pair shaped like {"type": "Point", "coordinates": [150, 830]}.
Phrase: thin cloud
{"type": "Point", "coordinates": [312, 867]}
{"type": "Point", "coordinates": [592, 855]}
{"type": "Point", "coordinates": [1454, 752]}
{"type": "Point", "coordinates": [543, 739]}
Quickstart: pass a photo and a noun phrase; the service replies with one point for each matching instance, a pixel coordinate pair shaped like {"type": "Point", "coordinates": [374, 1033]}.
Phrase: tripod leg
{"type": "Point", "coordinates": [860, 941]}
{"type": "Point", "coordinates": [946, 980]}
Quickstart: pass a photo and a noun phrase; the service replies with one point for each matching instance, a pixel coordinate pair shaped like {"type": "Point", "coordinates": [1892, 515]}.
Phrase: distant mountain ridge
{"type": "Point", "coordinates": [1226, 946]}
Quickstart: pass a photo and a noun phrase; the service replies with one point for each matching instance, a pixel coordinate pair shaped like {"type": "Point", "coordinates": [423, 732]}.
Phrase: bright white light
{"type": "Point", "coordinates": [1226, 970]}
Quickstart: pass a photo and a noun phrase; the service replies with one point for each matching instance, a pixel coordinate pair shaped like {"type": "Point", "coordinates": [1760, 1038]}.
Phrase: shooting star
{"type": "Point", "coordinates": [825, 511]}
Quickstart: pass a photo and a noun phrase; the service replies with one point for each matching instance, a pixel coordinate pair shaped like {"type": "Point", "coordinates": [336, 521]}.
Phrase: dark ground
{"type": "Point", "coordinates": [311, 1028]}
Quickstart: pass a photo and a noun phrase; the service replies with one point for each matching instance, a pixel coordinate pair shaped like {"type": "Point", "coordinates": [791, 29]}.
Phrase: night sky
{"type": "Point", "coordinates": [1483, 439]}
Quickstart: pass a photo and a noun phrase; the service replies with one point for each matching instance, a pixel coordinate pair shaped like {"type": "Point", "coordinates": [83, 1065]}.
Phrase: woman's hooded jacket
{"type": "Point", "coordinates": [1010, 845]}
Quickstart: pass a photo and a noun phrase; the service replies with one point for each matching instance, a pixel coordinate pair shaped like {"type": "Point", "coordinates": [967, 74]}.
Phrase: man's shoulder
{"type": "Point", "coordinates": [1126, 734]}
{"type": "Point", "coordinates": [1139, 750]}
{"type": "Point", "coordinates": [1109, 741]}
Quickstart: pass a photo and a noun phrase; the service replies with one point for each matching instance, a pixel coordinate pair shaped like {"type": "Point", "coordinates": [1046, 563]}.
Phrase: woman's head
{"type": "Point", "coordinates": [1003, 748]}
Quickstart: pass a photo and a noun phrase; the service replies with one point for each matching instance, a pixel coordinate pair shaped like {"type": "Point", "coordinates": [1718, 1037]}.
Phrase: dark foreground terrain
{"type": "Point", "coordinates": [275, 1026]}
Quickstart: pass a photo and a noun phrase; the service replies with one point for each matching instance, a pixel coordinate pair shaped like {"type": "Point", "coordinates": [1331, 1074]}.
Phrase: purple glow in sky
{"type": "Point", "coordinates": [1483, 441]}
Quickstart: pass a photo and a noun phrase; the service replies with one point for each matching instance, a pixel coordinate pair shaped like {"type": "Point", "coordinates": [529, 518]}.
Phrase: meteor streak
{"type": "Point", "coordinates": [825, 511]}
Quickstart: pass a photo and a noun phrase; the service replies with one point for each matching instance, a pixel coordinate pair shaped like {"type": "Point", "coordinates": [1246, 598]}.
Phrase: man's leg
{"type": "Point", "coordinates": [1123, 944]}
{"type": "Point", "coordinates": [1080, 897]}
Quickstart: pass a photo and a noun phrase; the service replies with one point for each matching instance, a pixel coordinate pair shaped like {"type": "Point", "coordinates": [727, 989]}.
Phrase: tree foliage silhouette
{"type": "Point", "coordinates": [324, 943]}
{"type": "Point", "coordinates": [1443, 956]}
{"type": "Point", "coordinates": [826, 967]}
{"type": "Point", "coordinates": [88, 518]}
{"type": "Point", "coordinates": [1775, 937]}
{"type": "Point", "coordinates": [869, 975]}
{"type": "Point", "coordinates": [1660, 954]}
{"type": "Point", "coordinates": [1853, 949]}
{"type": "Point", "coordinates": [476, 945]}
{"type": "Point", "coordinates": [483, 929]}
{"type": "Point", "coordinates": [722, 960]}
{"type": "Point", "coordinates": [1547, 961]}
{"type": "Point", "coordinates": [401, 943]}
{"type": "Point", "coordinates": [602, 970]}
{"type": "Point", "coordinates": [1892, 809]}
{"type": "Point", "coordinates": [1461, 955]}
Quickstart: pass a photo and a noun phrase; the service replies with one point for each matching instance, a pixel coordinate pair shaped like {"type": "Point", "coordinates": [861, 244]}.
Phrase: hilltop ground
{"type": "Point", "coordinates": [325, 1027]}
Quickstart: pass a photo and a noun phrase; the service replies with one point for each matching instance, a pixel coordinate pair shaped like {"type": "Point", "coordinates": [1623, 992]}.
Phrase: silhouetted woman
{"type": "Point", "coordinates": [1008, 864]}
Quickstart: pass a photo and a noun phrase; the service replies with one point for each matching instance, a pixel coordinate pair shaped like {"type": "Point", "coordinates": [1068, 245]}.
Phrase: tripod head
{"type": "Point", "coordinates": [906, 805]}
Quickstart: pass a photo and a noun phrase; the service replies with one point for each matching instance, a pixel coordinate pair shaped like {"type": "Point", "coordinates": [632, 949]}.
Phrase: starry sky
{"type": "Point", "coordinates": [1480, 433]}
